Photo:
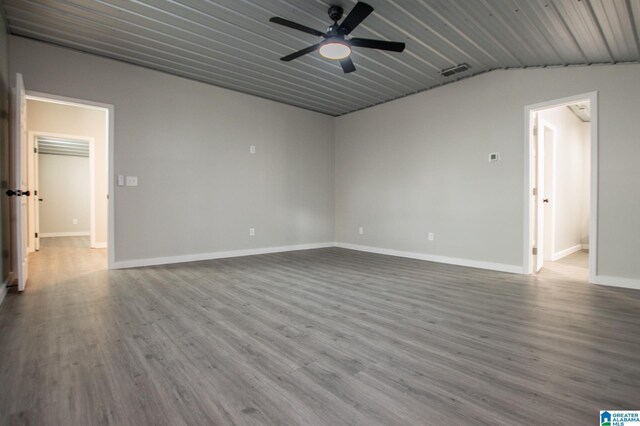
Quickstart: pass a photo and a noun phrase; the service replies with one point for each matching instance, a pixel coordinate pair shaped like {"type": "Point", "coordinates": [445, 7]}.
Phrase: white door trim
{"type": "Point", "coordinates": [31, 185]}
{"type": "Point", "coordinates": [109, 108]}
{"type": "Point", "coordinates": [592, 97]}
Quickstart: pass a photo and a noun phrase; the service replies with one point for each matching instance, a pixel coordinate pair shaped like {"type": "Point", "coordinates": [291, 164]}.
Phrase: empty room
{"type": "Point", "coordinates": [318, 212]}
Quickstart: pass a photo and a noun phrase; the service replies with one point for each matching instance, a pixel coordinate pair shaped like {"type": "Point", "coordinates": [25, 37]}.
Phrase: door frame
{"type": "Point", "coordinates": [592, 97]}
{"type": "Point", "coordinates": [33, 136]}
{"type": "Point", "coordinates": [109, 109]}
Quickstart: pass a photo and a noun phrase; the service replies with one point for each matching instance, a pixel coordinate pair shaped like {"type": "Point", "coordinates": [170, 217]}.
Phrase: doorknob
{"type": "Point", "coordinates": [546, 200]}
{"type": "Point", "coordinates": [26, 193]}
{"type": "Point", "coordinates": [11, 192]}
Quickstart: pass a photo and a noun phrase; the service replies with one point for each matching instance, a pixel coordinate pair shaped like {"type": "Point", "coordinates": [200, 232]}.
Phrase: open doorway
{"type": "Point", "coordinates": [561, 192]}
{"type": "Point", "coordinates": [62, 117]}
{"type": "Point", "coordinates": [67, 169]}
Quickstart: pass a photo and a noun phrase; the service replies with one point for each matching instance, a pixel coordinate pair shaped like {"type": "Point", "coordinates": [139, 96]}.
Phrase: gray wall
{"type": "Point", "coordinates": [402, 169]}
{"type": "Point", "coordinates": [64, 189]}
{"type": "Point", "coordinates": [199, 188]}
{"type": "Point", "coordinates": [419, 164]}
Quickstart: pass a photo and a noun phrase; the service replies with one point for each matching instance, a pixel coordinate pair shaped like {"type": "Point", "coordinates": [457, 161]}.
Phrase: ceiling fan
{"type": "Point", "coordinates": [337, 43]}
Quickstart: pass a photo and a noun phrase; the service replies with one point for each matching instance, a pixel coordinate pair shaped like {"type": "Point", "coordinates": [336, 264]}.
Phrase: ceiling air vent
{"type": "Point", "coordinates": [448, 72]}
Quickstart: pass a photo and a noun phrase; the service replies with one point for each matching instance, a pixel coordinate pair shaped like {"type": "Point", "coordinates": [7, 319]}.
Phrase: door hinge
{"type": "Point", "coordinates": [36, 235]}
{"type": "Point", "coordinates": [35, 192]}
{"type": "Point", "coordinates": [35, 150]}
{"type": "Point", "coordinates": [534, 251]}
{"type": "Point", "coordinates": [535, 191]}
{"type": "Point", "coordinates": [535, 131]}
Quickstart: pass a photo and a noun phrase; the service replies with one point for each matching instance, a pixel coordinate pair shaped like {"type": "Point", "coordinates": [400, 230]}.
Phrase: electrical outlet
{"type": "Point", "coordinates": [252, 232]}
{"type": "Point", "coordinates": [252, 149]}
{"type": "Point", "coordinates": [430, 236]}
{"type": "Point", "coordinates": [74, 221]}
{"type": "Point", "coordinates": [361, 230]}
{"type": "Point", "coordinates": [132, 180]}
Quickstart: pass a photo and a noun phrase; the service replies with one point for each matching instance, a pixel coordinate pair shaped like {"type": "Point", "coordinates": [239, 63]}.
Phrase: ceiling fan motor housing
{"type": "Point", "coordinates": [335, 13]}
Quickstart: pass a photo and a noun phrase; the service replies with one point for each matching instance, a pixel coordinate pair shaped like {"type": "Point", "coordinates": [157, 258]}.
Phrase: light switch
{"type": "Point", "coordinates": [120, 180]}
{"type": "Point", "coordinates": [252, 149]}
{"type": "Point", "coordinates": [132, 180]}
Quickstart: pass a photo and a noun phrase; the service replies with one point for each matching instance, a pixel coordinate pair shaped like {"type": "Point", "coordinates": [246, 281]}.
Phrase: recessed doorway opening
{"type": "Point", "coordinates": [62, 170]}
{"type": "Point", "coordinates": [561, 192]}
{"type": "Point", "coordinates": [68, 173]}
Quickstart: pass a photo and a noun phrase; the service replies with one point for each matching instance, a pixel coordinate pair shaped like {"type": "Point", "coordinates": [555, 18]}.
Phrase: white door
{"type": "Point", "coordinates": [36, 192]}
{"type": "Point", "coordinates": [549, 191]}
{"type": "Point", "coordinates": [19, 175]}
{"type": "Point", "coordinates": [538, 196]}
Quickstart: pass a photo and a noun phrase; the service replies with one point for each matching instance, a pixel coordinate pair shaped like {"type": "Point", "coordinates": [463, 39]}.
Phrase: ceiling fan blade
{"type": "Point", "coordinates": [353, 19]}
{"type": "Point", "coordinates": [299, 53]}
{"type": "Point", "coordinates": [347, 65]}
{"type": "Point", "coordinates": [393, 46]}
{"type": "Point", "coordinates": [297, 26]}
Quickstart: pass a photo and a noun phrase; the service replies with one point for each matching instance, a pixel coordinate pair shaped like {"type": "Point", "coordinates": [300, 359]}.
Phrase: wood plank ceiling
{"type": "Point", "coordinates": [232, 44]}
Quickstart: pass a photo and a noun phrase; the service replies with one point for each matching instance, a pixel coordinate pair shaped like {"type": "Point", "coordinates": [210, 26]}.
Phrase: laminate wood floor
{"type": "Point", "coordinates": [317, 337]}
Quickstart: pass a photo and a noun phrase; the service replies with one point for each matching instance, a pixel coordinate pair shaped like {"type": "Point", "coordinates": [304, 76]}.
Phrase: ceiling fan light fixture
{"type": "Point", "coordinates": [335, 49]}
{"type": "Point", "coordinates": [336, 43]}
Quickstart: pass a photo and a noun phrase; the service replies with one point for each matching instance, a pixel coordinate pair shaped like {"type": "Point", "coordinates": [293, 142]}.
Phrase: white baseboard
{"type": "Point", "coordinates": [99, 245]}
{"type": "Point", "coordinates": [566, 252]}
{"type": "Point", "coordinates": [585, 247]}
{"type": "Point", "coordinates": [516, 269]}
{"type": "Point", "coordinates": [64, 234]}
{"type": "Point", "coordinates": [617, 281]}
{"type": "Point", "coordinates": [122, 264]}
{"type": "Point", "coordinates": [250, 252]}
